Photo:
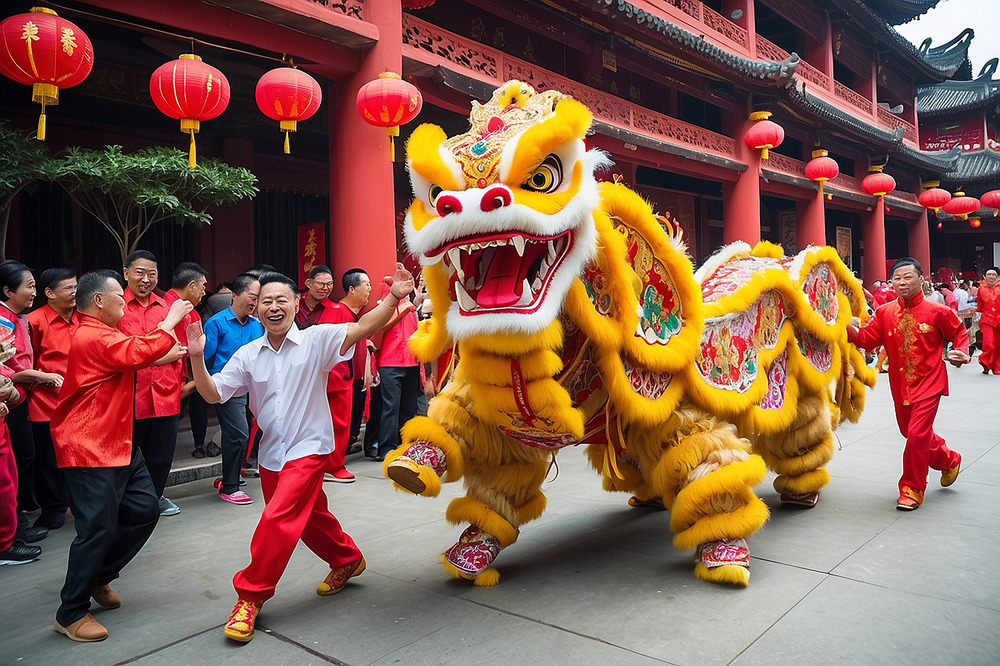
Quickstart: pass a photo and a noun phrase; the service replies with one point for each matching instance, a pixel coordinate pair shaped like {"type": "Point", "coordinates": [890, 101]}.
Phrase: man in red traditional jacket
{"type": "Point", "coordinates": [988, 304]}
{"type": "Point", "coordinates": [914, 332]}
{"type": "Point", "coordinates": [114, 504]}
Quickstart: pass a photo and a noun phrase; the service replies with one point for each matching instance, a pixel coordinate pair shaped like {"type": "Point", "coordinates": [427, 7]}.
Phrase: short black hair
{"type": "Point", "coordinates": [992, 268]}
{"type": "Point", "coordinates": [242, 282]}
{"type": "Point", "coordinates": [51, 277]}
{"type": "Point", "coordinates": [187, 273]}
{"type": "Point", "coordinates": [260, 269]}
{"type": "Point", "coordinates": [274, 276]}
{"type": "Point", "coordinates": [907, 261]}
{"type": "Point", "coordinates": [320, 270]}
{"type": "Point", "coordinates": [11, 277]}
{"type": "Point", "coordinates": [139, 254]}
{"type": "Point", "coordinates": [93, 283]}
{"type": "Point", "coordinates": [351, 279]}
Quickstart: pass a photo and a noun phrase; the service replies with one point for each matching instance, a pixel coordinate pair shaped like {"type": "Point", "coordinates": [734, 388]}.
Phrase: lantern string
{"type": "Point", "coordinates": [157, 31]}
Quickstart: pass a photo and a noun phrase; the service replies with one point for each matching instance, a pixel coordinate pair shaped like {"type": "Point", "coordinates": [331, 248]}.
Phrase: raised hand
{"type": "Point", "coordinates": [401, 283]}
{"type": "Point", "coordinates": [196, 339]}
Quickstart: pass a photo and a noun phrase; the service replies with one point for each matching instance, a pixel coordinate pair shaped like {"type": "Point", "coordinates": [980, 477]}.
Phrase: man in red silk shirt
{"type": "Point", "coordinates": [114, 504]}
{"type": "Point", "coordinates": [988, 304]}
{"type": "Point", "coordinates": [914, 332]}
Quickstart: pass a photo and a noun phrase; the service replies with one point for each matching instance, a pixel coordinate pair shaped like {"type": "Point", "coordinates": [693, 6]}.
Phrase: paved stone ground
{"type": "Point", "coordinates": [852, 581]}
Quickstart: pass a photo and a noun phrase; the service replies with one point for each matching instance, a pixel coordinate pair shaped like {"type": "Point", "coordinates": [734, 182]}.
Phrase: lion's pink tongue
{"type": "Point", "coordinates": [501, 286]}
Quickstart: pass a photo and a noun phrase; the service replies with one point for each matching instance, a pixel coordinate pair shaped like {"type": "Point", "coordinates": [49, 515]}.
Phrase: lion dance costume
{"type": "Point", "coordinates": [576, 318]}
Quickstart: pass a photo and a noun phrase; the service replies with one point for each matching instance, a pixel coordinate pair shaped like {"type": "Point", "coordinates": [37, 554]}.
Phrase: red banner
{"type": "Point", "coordinates": [312, 249]}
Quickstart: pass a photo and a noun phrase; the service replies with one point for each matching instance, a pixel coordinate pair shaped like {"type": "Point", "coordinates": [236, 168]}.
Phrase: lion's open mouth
{"type": "Point", "coordinates": [503, 272]}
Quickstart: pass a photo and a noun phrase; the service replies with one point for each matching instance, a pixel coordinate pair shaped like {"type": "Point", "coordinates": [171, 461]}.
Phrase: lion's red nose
{"type": "Point", "coordinates": [447, 204]}
{"type": "Point", "coordinates": [494, 198]}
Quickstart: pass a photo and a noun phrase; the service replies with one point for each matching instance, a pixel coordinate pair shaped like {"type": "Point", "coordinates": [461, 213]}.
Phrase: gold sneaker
{"type": "Point", "coordinates": [949, 475]}
{"type": "Point", "coordinates": [241, 620]}
{"type": "Point", "coordinates": [337, 578]}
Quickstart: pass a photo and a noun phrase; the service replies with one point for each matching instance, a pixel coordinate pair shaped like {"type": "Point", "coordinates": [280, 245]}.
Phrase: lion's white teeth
{"type": "Point", "coordinates": [543, 268]}
{"type": "Point", "coordinates": [536, 286]}
{"type": "Point", "coordinates": [527, 296]}
{"type": "Point", "coordinates": [461, 275]}
{"type": "Point", "coordinates": [551, 256]}
{"type": "Point", "coordinates": [465, 301]}
{"type": "Point", "coordinates": [455, 256]}
{"type": "Point", "coordinates": [519, 243]}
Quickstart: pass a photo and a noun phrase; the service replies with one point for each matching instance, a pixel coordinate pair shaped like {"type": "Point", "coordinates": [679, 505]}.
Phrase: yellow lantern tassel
{"type": "Point", "coordinates": [192, 153]}
{"type": "Point", "coordinates": [287, 150]}
{"type": "Point", "coordinates": [821, 189]}
{"type": "Point", "coordinates": [391, 132]}
{"type": "Point", "coordinates": [40, 134]}
{"type": "Point", "coordinates": [763, 154]}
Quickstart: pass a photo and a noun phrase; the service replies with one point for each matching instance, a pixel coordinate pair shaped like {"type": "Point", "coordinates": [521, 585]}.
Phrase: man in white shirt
{"type": "Point", "coordinates": [285, 374]}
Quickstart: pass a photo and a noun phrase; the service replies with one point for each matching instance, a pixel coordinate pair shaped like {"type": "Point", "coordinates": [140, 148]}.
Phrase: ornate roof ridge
{"type": "Point", "coordinates": [976, 168]}
{"type": "Point", "coordinates": [896, 12]}
{"type": "Point", "coordinates": [953, 96]}
{"type": "Point", "coordinates": [891, 142]}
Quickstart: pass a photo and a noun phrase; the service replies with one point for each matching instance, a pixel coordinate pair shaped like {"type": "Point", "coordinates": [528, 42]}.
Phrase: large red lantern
{"type": "Point", "coordinates": [991, 200]}
{"type": "Point", "coordinates": [763, 134]}
{"type": "Point", "coordinates": [876, 183]}
{"type": "Point", "coordinates": [960, 206]}
{"type": "Point", "coordinates": [389, 102]}
{"type": "Point", "coordinates": [933, 197]}
{"type": "Point", "coordinates": [191, 91]}
{"type": "Point", "coordinates": [288, 95]}
{"type": "Point", "coordinates": [822, 168]}
{"type": "Point", "coordinates": [46, 52]}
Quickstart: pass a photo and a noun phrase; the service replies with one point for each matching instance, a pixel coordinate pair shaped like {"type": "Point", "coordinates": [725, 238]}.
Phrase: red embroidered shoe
{"type": "Point", "coordinates": [405, 470]}
{"type": "Point", "coordinates": [337, 578]}
{"type": "Point", "coordinates": [726, 551]}
{"type": "Point", "coordinates": [909, 499]}
{"type": "Point", "coordinates": [241, 620]}
{"type": "Point", "coordinates": [949, 475]}
{"type": "Point", "coordinates": [474, 552]}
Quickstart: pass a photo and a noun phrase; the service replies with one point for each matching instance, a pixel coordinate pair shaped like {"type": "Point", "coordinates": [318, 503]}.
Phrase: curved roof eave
{"type": "Point", "coordinates": [896, 12]}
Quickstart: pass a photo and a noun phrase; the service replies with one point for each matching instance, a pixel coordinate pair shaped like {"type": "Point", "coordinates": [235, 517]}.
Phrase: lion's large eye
{"type": "Point", "coordinates": [432, 193]}
{"type": "Point", "coordinates": [547, 177]}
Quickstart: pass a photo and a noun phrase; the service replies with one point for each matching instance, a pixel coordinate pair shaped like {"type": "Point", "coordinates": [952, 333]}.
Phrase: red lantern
{"type": "Point", "coordinates": [822, 168]}
{"type": "Point", "coordinates": [46, 52]}
{"type": "Point", "coordinates": [974, 222]}
{"type": "Point", "coordinates": [960, 206]}
{"type": "Point", "coordinates": [991, 200]}
{"type": "Point", "coordinates": [191, 91]}
{"type": "Point", "coordinates": [389, 102]}
{"type": "Point", "coordinates": [878, 184]}
{"type": "Point", "coordinates": [288, 95]}
{"type": "Point", "coordinates": [933, 197]}
{"type": "Point", "coordinates": [763, 134]}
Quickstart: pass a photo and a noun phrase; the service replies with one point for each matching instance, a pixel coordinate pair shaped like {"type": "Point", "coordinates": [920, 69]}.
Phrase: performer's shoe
{"type": "Point", "coordinates": [337, 578]}
{"type": "Point", "coordinates": [168, 508]}
{"type": "Point", "coordinates": [25, 532]}
{"type": "Point", "coordinates": [909, 499]}
{"type": "Point", "coordinates": [340, 476]}
{"type": "Point", "coordinates": [239, 497]}
{"type": "Point", "coordinates": [474, 552]}
{"type": "Point", "coordinates": [84, 630]}
{"type": "Point", "coordinates": [652, 503]}
{"type": "Point", "coordinates": [106, 597]}
{"type": "Point", "coordinates": [405, 470]}
{"type": "Point", "coordinates": [948, 476]}
{"type": "Point", "coordinates": [19, 553]}
{"type": "Point", "coordinates": [806, 500]}
{"type": "Point", "coordinates": [241, 620]}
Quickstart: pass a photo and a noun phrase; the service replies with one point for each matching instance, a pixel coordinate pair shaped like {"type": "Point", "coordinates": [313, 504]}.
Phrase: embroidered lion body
{"type": "Point", "coordinates": [576, 317]}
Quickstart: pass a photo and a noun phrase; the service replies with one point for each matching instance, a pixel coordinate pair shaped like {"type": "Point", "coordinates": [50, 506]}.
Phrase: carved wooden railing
{"type": "Point", "coordinates": [430, 43]}
{"type": "Point", "coordinates": [353, 8]}
{"type": "Point", "coordinates": [784, 164]}
{"type": "Point", "coordinates": [856, 100]}
{"type": "Point", "coordinates": [702, 20]}
{"type": "Point", "coordinates": [724, 26]}
{"type": "Point", "coordinates": [813, 75]}
{"type": "Point", "coordinates": [894, 121]}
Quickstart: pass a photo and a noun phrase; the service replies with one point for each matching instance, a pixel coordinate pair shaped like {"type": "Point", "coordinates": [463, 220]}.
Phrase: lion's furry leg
{"type": "Point", "coordinates": [800, 453]}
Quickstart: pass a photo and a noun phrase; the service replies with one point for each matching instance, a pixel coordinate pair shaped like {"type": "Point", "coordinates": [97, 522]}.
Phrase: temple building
{"type": "Point", "coordinates": [676, 88]}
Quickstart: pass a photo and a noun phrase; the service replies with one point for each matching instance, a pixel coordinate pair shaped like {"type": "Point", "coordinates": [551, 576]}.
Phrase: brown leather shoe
{"type": "Point", "coordinates": [106, 597]}
{"type": "Point", "coordinates": [84, 630]}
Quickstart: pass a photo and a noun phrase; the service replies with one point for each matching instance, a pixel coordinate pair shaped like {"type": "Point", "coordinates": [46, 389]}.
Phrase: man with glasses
{"type": "Point", "coordinates": [315, 301]}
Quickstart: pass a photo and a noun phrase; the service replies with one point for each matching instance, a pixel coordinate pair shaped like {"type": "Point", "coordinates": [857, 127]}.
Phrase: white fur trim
{"type": "Point", "coordinates": [723, 255]}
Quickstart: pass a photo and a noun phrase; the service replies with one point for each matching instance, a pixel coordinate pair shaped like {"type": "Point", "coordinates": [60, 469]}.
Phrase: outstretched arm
{"type": "Point", "coordinates": [196, 350]}
{"type": "Point", "coordinates": [400, 285]}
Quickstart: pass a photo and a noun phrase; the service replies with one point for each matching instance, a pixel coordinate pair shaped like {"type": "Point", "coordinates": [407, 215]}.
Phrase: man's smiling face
{"type": "Point", "coordinates": [276, 307]}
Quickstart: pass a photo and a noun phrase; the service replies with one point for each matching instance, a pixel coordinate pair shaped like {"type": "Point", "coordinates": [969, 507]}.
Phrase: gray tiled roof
{"type": "Point", "coordinates": [900, 11]}
{"type": "Point", "coordinates": [976, 170]}
{"type": "Point", "coordinates": [959, 96]}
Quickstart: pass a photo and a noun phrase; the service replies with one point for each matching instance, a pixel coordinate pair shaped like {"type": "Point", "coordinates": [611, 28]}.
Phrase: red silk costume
{"type": "Point", "coordinates": [988, 304]}
{"type": "Point", "coordinates": [914, 335]}
{"type": "Point", "coordinates": [340, 390]}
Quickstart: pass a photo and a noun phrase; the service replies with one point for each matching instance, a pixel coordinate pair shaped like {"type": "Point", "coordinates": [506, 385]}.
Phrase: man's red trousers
{"type": "Point", "coordinates": [8, 490]}
{"type": "Point", "coordinates": [924, 447]}
{"type": "Point", "coordinates": [990, 356]}
{"type": "Point", "coordinates": [295, 508]}
{"type": "Point", "coordinates": [341, 403]}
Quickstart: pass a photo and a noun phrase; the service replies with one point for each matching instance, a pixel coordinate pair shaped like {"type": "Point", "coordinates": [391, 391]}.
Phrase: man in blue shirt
{"type": "Point", "coordinates": [224, 334]}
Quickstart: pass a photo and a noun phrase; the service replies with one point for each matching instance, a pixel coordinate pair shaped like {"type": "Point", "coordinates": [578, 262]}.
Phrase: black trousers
{"type": "Point", "coordinates": [357, 409]}
{"type": "Point", "coordinates": [198, 413]}
{"type": "Point", "coordinates": [50, 482]}
{"type": "Point", "coordinates": [22, 442]}
{"type": "Point", "coordinates": [156, 438]}
{"type": "Point", "coordinates": [115, 510]}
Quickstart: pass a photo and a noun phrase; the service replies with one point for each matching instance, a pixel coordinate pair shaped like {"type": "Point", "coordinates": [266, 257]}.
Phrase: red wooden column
{"type": "Point", "coordinates": [231, 248]}
{"type": "Point", "coordinates": [362, 201]}
{"type": "Point", "coordinates": [741, 199]}
{"type": "Point", "coordinates": [873, 236]}
{"type": "Point", "coordinates": [918, 239]}
{"type": "Point", "coordinates": [810, 222]}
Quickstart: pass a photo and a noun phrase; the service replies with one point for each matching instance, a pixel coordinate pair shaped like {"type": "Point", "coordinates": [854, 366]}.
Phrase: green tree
{"type": "Point", "coordinates": [130, 192]}
{"type": "Point", "coordinates": [23, 161]}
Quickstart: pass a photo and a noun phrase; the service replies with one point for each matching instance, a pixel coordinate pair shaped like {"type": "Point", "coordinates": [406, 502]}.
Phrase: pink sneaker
{"type": "Point", "coordinates": [239, 497]}
{"type": "Point", "coordinates": [341, 476]}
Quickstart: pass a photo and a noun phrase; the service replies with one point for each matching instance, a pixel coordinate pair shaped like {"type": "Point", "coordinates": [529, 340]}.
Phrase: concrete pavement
{"type": "Point", "coordinates": [591, 582]}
